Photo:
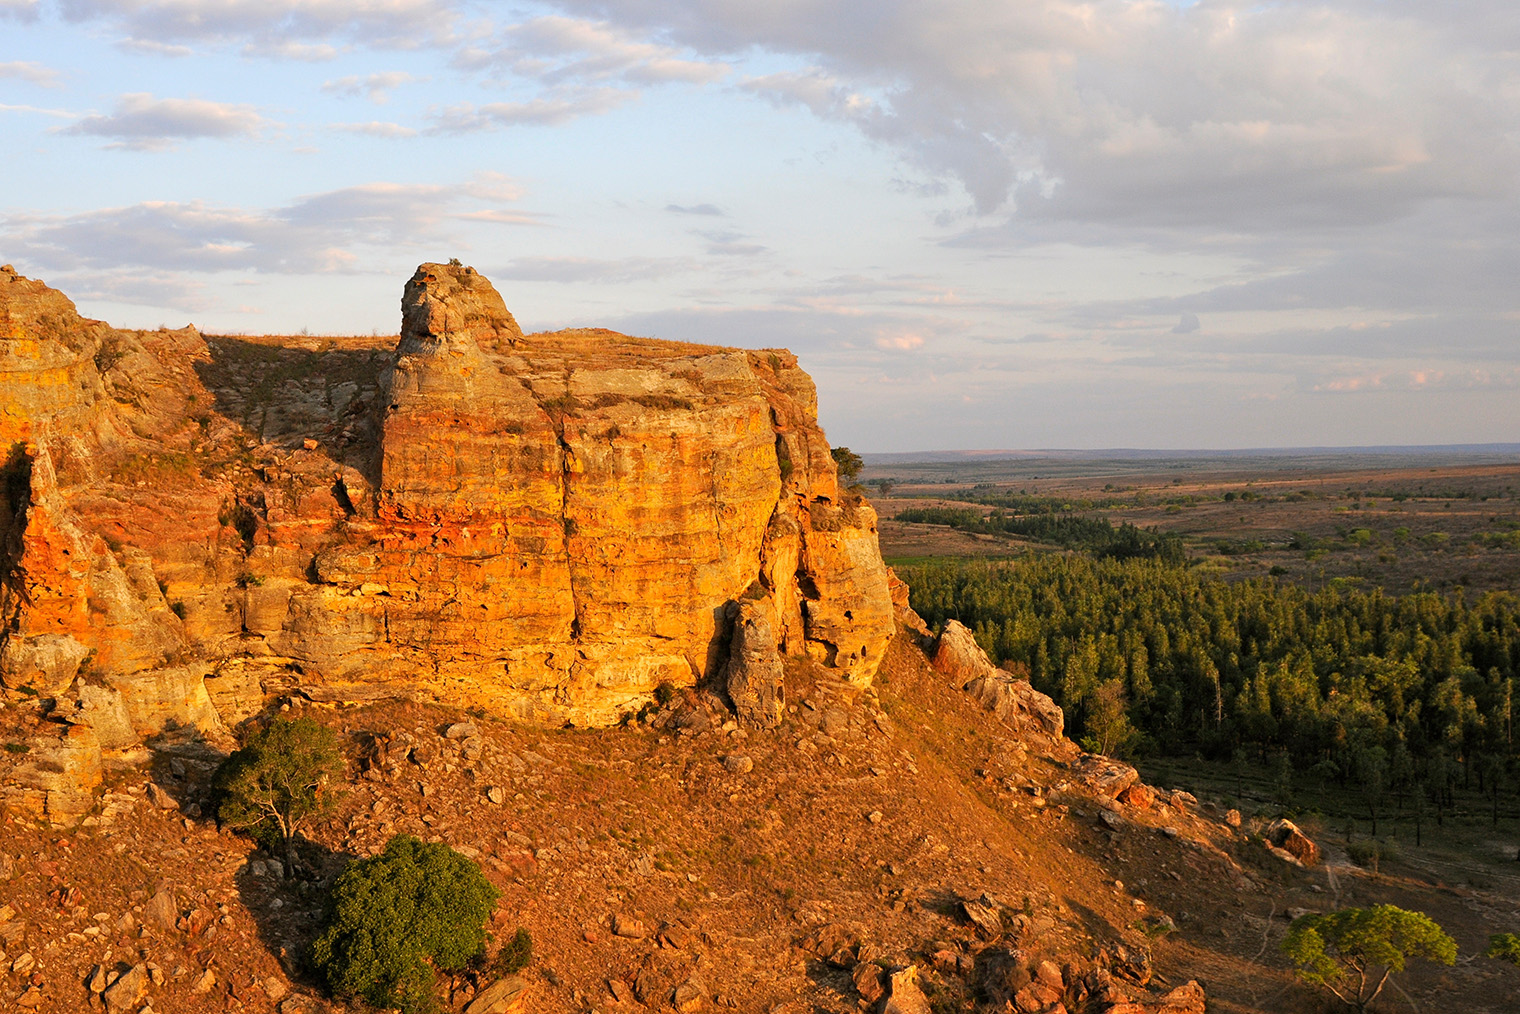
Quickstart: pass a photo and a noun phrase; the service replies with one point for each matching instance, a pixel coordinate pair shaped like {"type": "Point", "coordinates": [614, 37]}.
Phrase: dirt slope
{"type": "Point", "coordinates": [862, 825]}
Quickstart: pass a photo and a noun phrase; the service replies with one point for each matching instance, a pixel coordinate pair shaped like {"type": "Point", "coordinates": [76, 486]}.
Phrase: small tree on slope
{"type": "Point", "coordinates": [1353, 952]}
{"type": "Point", "coordinates": [278, 781]}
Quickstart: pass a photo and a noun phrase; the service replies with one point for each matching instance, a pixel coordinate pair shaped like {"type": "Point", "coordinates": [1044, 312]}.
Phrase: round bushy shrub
{"type": "Point", "coordinates": [1373, 854]}
{"type": "Point", "coordinates": [396, 917]}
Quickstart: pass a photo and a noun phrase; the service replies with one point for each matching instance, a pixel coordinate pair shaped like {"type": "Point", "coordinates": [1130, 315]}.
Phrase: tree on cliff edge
{"type": "Point", "coordinates": [848, 463]}
{"type": "Point", "coordinates": [278, 781]}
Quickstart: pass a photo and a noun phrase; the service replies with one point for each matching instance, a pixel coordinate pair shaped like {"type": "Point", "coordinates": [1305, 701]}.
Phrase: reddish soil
{"type": "Point", "coordinates": [745, 872]}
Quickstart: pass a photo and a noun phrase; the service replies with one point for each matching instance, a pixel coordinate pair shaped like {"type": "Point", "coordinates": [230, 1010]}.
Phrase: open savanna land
{"type": "Point", "coordinates": [1400, 522]}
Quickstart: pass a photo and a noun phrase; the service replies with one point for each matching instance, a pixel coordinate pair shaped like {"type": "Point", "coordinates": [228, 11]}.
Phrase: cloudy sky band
{"type": "Point", "coordinates": [1075, 224]}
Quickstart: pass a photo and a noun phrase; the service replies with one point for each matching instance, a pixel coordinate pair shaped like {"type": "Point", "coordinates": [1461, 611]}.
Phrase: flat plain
{"type": "Point", "coordinates": [1402, 521]}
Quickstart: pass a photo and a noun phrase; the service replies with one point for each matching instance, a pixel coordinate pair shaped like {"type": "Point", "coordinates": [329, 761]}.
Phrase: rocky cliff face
{"type": "Point", "coordinates": [548, 525]}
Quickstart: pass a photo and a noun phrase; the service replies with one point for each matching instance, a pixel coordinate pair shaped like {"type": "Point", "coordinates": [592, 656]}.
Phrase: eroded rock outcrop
{"type": "Point", "coordinates": [1013, 700]}
{"type": "Point", "coordinates": [549, 525]}
{"type": "Point", "coordinates": [752, 677]}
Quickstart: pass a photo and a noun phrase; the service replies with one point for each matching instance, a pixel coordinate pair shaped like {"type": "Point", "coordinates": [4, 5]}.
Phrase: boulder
{"type": "Point", "coordinates": [1185, 999]}
{"type": "Point", "coordinates": [689, 995]}
{"type": "Point", "coordinates": [47, 663]}
{"type": "Point", "coordinates": [986, 914]}
{"type": "Point", "coordinates": [58, 775]}
{"type": "Point", "coordinates": [958, 656]}
{"type": "Point", "coordinates": [128, 989]}
{"type": "Point", "coordinates": [1105, 777]}
{"type": "Point", "coordinates": [162, 910]}
{"type": "Point", "coordinates": [904, 994]}
{"type": "Point", "coordinates": [501, 996]}
{"type": "Point", "coordinates": [628, 927]}
{"type": "Point", "coordinates": [868, 978]}
{"type": "Point", "coordinates": [104, 710]}
{"type": "Point", "coordinates": [1285, 835]}
{"type": "Point", "coordinates": [173, 697]}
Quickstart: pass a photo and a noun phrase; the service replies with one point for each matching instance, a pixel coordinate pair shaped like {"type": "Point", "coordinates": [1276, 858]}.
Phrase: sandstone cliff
{"type": "Point", "coordinates": [550, 525]}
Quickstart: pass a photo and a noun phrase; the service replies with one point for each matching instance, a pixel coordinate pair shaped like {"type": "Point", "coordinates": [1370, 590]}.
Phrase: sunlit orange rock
{"type": "Point", "coordinates": [549, 525]}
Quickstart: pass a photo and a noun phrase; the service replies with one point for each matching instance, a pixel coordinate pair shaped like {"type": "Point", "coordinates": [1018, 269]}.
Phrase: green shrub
{"type": "Point", "coordinates": [1363, 853]}
{"type": "Point", "coordinates": [784, 458]}
{"type": "Point", "coordinates": [395, 918]}
{"type": "Point", "coordinates": [848, 463]}
{"type": "Point", "coordinates": [1372, 854]}
{"type": "Point", "coordinates": [514, 955]}
{"type": "Point", "coordinates": [1505, 947]}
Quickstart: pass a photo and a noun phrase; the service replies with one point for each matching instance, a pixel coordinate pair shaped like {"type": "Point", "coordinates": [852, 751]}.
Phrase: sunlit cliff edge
{"type": "Point", "coordinates": [547, 526]}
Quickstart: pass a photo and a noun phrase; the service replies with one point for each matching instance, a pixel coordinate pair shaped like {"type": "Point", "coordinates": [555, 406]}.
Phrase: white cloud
{"type": "Point", "coordinates": [549, 111]}
{"type": "Point", "coordinates": [729, 243]}
{"type": "Point", "coordinates": [1418, 379]}
{"type": "Point", "coordinates": [32, 73]}
{"type": "Point", "coordinates": [315, 234]}
{"type": "Point", "coordinates": [62, 114]}
{"type": "Point", "coordinates": [376, 87]}
{"type": "Point", "coordinates": [143, 123]}
{"type": "Point", "coordinates": [559, 50]}
{"type": "Point", "coordinates": [21, 10]}
{"type": "Point", "coordinates": [695, 209]}
{"type": "Point", "coordinates": [151, 47]}
{"type": "Point", "coordinates": [289, 49]}
{"type": "Point", "coordinates": [267, 24]}
{"type": "Point", "coordinates": [374, 128]}
{"type": "Point", "coordinates": [1227, 113]}
{"type": "Point", "coordinates": [586, 269]}
{"type": "Point", "coordinates": [902, 341]}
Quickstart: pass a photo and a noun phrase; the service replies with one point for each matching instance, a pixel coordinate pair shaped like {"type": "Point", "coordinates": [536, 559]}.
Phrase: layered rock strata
{"type": "Point", "coordinates": [549, 526]}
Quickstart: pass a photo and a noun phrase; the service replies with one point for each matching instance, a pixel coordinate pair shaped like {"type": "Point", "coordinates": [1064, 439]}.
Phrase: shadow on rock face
{"type": "Point", "coordinates": [288, 394]}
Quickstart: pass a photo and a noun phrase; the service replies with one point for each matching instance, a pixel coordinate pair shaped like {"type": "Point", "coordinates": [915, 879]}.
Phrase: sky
{"type": "Point", "coordinates": [979, 223]}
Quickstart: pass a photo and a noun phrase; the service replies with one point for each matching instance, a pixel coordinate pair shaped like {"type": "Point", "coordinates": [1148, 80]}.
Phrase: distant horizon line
{"type": "Point", "coordinates": [1181, 452]}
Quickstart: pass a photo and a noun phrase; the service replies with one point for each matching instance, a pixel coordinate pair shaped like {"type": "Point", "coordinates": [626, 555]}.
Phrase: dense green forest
{"type": "Point", "coordinates": [1410, 694]}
